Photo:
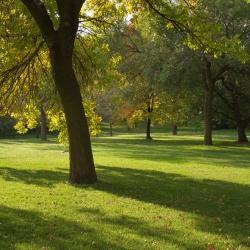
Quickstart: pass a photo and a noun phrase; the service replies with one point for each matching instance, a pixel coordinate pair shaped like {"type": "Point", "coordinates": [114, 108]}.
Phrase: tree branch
{"type": "Point", "coordinates": [41, 16]}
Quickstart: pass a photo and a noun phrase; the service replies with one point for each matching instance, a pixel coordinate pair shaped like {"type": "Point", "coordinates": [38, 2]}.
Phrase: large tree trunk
{"type": "Point", "coordinates": [43, 125]}
{"type": "Point", "coordinates": [174, 129]}
{"type": "Point", "coordinates": [82, 168]}
{"type": "Point", "coordinates": [208, 105]}
{"type": "Point", "coordinates": [60, 42]}
{"type": "Point", "coordinates": [241, 128]}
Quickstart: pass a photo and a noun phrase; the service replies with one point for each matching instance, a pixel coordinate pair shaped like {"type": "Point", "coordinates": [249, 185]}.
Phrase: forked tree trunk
{"type": "Point", "coordinates": [43, 125]}
{"type": "Point", "coordinates": [174, 129]}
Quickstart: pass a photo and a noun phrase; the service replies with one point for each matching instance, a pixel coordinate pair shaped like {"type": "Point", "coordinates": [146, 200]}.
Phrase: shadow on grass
{"type": "Point", "coordinates": [227, 204]}
{"type": "Point", "coordinates": [23, 229]}
{"type": "Point", "coordinates": [43, 178]}
{"type": "Point", "coordinates": [223, 207]}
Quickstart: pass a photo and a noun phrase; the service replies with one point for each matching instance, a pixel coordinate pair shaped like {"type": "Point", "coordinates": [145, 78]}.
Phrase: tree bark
{"type": "Point", "coordinates": [208, 117]}
{"type": "Point", "coordinates": [82, 168]}
{"type": "Point", "coordinates": [110, 128]}
{"type": "Point", "coordinates": [43, 125]}
{"type": "Point", "coordinates": [240, 121]}
{"type": "Point", "coordinates": [148, 135]}
{"type": "Point", "coordinates": [208, 104]}
{"type": "Point", "coordinates": [174, 129]}
{"type": "Point", "coordinates": [150, 108]}
{"type": "Point", "coordinates": [241, 129]}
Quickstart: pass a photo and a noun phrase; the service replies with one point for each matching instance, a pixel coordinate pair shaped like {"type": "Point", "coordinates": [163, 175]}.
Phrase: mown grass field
{"type": "Point", "coordinates": [169, 193]}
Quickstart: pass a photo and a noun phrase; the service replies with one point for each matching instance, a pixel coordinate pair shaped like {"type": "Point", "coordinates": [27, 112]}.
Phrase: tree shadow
{"type": "Point", "coordinates": [128, 224]}
{"type": "Point", "coordinates": [35, 231]}
{"type": "Point", "coordinates": [221, 207]}
{"type": "Point", "coordinates": [25, 229]}
{"type": "Point", "coordinates": [224, 206]}
{"type": "Point", "coordinates": [43, 178]}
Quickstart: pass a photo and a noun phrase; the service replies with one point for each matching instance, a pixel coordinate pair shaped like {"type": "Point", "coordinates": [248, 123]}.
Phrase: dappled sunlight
{"type": "Point", "coordinates": [166, 193]}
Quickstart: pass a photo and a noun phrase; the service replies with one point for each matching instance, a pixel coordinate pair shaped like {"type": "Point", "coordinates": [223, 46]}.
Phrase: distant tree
{"type": "Point", "coordinates": [207, 26]}
{"type": "Point", "coordinates": [235, 103]}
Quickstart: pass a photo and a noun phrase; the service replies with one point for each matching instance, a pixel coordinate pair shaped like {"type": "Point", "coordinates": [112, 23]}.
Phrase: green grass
{"type": "Point", "coordinates": [169, 193]}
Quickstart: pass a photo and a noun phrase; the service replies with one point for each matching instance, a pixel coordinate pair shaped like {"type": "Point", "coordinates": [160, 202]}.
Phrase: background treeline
{"type": "Point", "coordinates": [142, 68]}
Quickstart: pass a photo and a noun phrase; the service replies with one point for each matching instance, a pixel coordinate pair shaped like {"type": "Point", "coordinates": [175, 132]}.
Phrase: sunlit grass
{"type": "Point", "coordinates": [169, 193]}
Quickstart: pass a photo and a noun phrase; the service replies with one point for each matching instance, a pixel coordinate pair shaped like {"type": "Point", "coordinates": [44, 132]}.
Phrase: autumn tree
{"type": "Point", "coordinates": [57, 23]}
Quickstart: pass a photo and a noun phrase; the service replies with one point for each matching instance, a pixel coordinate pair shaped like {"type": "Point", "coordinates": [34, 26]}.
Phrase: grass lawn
{"type": "Point", "coordinates": [169, 193]}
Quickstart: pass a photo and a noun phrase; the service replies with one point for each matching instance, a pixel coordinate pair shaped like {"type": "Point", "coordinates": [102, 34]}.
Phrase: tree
{"type": "Point", "coordinates": [60, 43]}
{"type": "Point", "coordinates": [205, 25]}
{"type": "Point", "coordinates": [234, 94]}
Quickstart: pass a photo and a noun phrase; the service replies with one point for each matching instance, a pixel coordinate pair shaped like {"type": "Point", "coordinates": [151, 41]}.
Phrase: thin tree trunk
{"type": "Point", "coordinates": [43, 125]}
{"type": "Point", "coordinates": [82, 168]}
{"type": "Point", "coordinates": [208, 117]}
{"type": "Point", "coordinates": [150, 109]}
{"type": "Point", "coordinates": [240, 122]}
{"type": "Point", "coordinates": [174, 129]}
{"type": "Point", "coordinates": [110, 128]}
{"type": "Point", "coordinates": [208, 105]}
{"type": "Point", "coordinates": [148, 134]}
{"type": "Point", "coordinates": [241, 129]}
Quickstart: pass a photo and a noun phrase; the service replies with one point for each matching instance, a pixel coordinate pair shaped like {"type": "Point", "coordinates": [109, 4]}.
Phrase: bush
{"type": "Point", "coordinates": [7, 127]}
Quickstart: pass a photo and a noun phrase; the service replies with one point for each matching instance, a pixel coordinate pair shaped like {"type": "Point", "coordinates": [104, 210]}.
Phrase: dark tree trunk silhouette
{"type": "Point", "coordinates": [208, 117]}
{"type": "Point", "coordinates": [241, 129]}
{"type": "Point", "coordinates": [81, 159]}
{"type": "Point", "coordinates": [148, 134]}
{"type": "Point", "coordinates": [208, 104]}
{"type": "Point", "coordinates": [150, 108]}
{"type": "Point", "coordinates": [240, 121]}
{"type": "Point", "coordinates": [234, 102]}
{"type": "Point", "coordinates": [110, 128]}
{"type": "Point", "coordinates": [61, 44]}
{"type": "Point", "coordinates": [174, 129]}
{"type": "Point", "coordinates": [43, 125]}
